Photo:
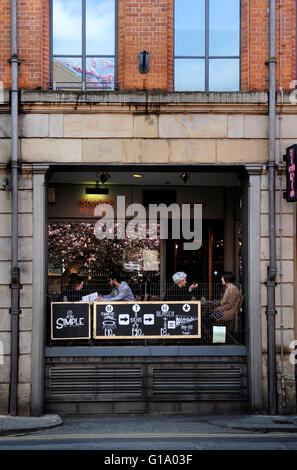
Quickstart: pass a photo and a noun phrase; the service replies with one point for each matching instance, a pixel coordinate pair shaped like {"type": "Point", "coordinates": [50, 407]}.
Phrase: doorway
{"type": "Point", "coordinates": [206, 265]}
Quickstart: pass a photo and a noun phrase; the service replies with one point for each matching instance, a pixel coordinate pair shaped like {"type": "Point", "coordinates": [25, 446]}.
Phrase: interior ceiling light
{"type": "Point", "coordinates": [102, 178]}
{"type": "Point", "coordinates": [137, 175]}
{"type": "Point", "coordinates": [184, 177]}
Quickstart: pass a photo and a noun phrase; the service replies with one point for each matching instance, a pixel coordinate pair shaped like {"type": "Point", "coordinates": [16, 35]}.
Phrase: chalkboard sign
{"type": "Point", "coordinates": [70, 320]}
{"type": "Point", "coordinates": [147, 320]}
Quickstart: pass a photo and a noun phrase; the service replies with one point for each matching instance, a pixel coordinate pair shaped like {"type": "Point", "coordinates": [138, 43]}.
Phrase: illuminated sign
{"type": "Point", "coordinates": [291, 176]}
{"type": "Point", "coordinates": [94, 202]}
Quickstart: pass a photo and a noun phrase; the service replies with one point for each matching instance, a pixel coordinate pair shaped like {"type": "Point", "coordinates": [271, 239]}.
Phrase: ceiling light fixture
{"type": "Point", "coordinates": [102, 178]}
{"type": "Point", "coordinates": [184, 177]}
{"type": "Point", "coordinates": [137, 175]}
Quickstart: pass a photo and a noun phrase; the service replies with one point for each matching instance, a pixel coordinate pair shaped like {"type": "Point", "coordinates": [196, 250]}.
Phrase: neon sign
{"type": "Point", "coordinates": [94, 202]}
{"type": "Point", "coordinates": [290, 158]}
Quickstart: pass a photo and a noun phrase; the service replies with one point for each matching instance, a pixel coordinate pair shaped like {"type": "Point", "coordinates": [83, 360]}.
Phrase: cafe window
{"type": "Point", "coordinates": [207, 45]}
{"type": "Point", "coordinates": [83, 44]}
{"type": "Point", "coordinates": [84, 250]}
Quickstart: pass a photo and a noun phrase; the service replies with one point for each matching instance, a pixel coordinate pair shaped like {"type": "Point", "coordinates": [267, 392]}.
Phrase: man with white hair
{"type": "Point", "coordinates": [179, 289]}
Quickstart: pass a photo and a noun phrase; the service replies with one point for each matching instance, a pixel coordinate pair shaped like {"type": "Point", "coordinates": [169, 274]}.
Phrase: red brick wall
{"type": "Point", "coordinates": [145, 25]}
{"type": "Point", "coordinates": [5, 41]}
{"type": "Point", "coordinates": [255, 44]}
{"type": "Point", "coordinates": [286, 43]}
{"type": "Point", "coordinates": [33, 43]}
{"type": "Point", "coordinates": [148, 25]}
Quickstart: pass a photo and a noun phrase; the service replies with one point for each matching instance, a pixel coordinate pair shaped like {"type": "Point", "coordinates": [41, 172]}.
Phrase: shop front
{"type": "Point", "coordinates": [98, 221]}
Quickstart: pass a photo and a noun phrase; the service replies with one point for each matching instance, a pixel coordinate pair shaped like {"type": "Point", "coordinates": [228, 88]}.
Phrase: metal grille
{"type": "Point", "coordinates": [215, 382]}
{"type": "Point", "coordinates": [94, 382]}
{"type": "Point", "coordinates": [206, 293]}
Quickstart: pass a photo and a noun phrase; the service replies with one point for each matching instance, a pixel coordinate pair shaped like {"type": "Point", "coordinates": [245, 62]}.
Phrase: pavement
{"type": "Point", "coordinates": [25, 424]}
{"type": "Point", "coordinates": [246, 422]}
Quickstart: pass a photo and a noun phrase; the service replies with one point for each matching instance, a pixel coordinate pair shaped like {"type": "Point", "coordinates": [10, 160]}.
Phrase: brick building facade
{"type": "Point", "coordinates": [147, 25]}
{"type": "Point", "coordinates": [143, 122]}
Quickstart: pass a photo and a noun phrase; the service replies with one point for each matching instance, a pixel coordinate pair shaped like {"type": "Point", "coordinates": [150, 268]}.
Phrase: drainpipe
{"type": "Point", "coordinates": [282, 371]}
{"type": "Point", "coordinates": [15, 272]}
{"type": "Point", "coordinates": [270, 311]}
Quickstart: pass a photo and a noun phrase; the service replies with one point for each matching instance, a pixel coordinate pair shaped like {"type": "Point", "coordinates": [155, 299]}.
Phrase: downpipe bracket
{"type": "Point", "coordinates": [15, 286]}
{"type": "Point", "coordinates": [16, 165]}
{"type": "Point", "coordinates": [271, 312]}
{"type": "Point", "coordinates": [14, 59]}
{"type": "Point", "coordinates": [271, 60]}
{"type": "Point", "coordinates": [15, 311]}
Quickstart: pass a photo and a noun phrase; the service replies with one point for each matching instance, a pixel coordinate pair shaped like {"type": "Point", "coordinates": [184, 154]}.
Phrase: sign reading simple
{"type": "Point", "coordinates": [70, 320]}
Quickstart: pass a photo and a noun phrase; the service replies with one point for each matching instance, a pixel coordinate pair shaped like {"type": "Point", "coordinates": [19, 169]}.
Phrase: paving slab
{"type": "Point", "coordinates": [20, 424]}
{"type": "Point", "coordinates": [256, 423]}
{"type": "Point", "coordinates": [252, 423]}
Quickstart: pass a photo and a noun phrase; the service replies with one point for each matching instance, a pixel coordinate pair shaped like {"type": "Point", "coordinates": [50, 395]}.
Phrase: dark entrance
{"type": "Point", "coordinates": [203, 265]}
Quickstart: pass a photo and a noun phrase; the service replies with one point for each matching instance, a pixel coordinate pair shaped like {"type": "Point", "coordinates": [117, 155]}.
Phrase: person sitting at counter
{"type": "Point", "coordinates": [179, 290]}
{"type": "Point", "coordinates": [73, 291]}
{"type": "Point", "coordinates": [120, 290]}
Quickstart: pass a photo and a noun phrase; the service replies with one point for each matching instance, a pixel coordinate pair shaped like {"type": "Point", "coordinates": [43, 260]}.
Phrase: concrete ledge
{"type": "Point", "coordinates": [125, 351]}
{"type": "Point", "coordinates": [134, 97]}
{"type": "Point", "coordinates": [24, 424]}
{"type": "Point", "coordinates": [255, 423]}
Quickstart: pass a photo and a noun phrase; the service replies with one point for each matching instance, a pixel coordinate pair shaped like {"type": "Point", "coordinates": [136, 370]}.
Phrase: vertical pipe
{"type": "Point", "coordinates": [271, 349]}
{"type": "Point", "coordinates": [15, 276]}
{"type": "Point", "coordinates": [210, 260]}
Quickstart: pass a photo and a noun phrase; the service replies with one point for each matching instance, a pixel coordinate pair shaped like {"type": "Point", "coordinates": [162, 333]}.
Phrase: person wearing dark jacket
{"type": "Point", "coordinates": [179, 289]}
{"type": "Point", "coordinates": [73, 292]}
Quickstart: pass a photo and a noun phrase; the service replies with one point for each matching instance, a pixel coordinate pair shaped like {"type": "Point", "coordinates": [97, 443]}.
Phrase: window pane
{"type": "Point", "coordinates": [189, 27]}
{"type": "Point", "coordinates": [67, 72]}
{"type": "Point", "coordinates": [224, 75]}
{"type": "Point", "coordinates": [100, 73]}
{"type": "Point", "coordinates": [100, 27]}
{"type": "Point", "coordinates": [67, 27]}
{"type": "Point", "coordinates": [224, 18]}
{"type": "Point", "coordinates": [189, 74]}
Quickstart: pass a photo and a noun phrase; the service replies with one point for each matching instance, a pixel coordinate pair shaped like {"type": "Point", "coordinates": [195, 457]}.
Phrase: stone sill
{"type": "Point", "coordinates": [142, 97]}
{"type": "Point", "coordinates": [156, 351]}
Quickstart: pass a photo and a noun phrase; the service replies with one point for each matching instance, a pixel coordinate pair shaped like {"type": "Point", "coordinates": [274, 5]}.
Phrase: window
{"type": "Point", "coordinates": [83, 44]}
{"type": "Point", "coordinates": [207, 45]}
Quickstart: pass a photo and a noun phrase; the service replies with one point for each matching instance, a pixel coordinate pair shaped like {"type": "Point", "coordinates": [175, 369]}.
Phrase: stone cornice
{"type": "Point", "coordinates": [60, 102]}
{"type": "Point", "coordinates": [142, 102]}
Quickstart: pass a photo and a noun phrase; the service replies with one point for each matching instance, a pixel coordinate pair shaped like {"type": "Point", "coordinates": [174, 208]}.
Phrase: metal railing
{"type": "Point", "coordinates": [209, 295]}
{"type": "Point", "coordinates": [83, 85]}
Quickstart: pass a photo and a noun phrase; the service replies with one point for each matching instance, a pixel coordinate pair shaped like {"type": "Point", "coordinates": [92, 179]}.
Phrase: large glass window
{"type": "Point", "coordinates": [83, 44]}
{"type": "Point", "coordinates": [207, 45]}
{"type": "Point", "coordinates": [83, 252]}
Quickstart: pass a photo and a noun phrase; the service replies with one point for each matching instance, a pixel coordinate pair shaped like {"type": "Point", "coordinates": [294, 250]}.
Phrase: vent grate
{"type": "Point", "coordinates": [215, 381]}
{"type": "Point", "coordinates": [66, 382]}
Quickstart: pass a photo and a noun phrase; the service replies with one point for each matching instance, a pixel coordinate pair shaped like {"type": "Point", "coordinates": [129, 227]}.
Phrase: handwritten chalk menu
{"type": "Point", "coordinates": [147, 319]}
{"type": "Point", "coordinates": [70, 320]}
